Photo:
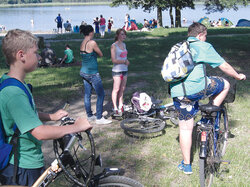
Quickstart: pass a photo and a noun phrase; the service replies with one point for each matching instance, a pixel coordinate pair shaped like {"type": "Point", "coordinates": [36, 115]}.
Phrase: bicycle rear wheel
{"type": "Point", "coordinates": [206, 164]}
{"type": "Point", "coordinates": [121, 181]}
{"type": "Point", "coordinates": [143, 125]}
{"type": "Point", "coordinates": [223, 133]}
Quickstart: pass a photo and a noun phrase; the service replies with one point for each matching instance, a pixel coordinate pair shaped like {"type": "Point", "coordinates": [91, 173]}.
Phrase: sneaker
{"type": "Point", "coordinates": [186, 168]}
{"type": "Point", "coordinates": [117, 113]}
{"type": "Point", "coordinates": [92, 118]}
{"type": "Point", "coordinates": [103, 121]}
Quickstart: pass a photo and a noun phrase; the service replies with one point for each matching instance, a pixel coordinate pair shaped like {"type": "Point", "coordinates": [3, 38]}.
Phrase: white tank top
{"type": "Point", "coordinates": [120, 55]}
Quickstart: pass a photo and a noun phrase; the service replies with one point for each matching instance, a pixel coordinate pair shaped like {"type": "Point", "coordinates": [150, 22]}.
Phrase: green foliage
{"type": "Point", "coordinates": [221, 5]}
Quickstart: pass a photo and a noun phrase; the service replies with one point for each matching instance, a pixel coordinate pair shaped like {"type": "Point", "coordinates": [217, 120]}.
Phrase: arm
{"type": "Point", "coordinates": [229, 70]}
{"type": "Point", "coordinates": [113, 58]}
{"type": "Point", "coordinates": [46, 132]}
{"type": "Point", "coordinates": [97, 49]}
{"type": "Point", "coordinates": [52, 117]}
{"type": "Point", "coordinates": [64, 58]}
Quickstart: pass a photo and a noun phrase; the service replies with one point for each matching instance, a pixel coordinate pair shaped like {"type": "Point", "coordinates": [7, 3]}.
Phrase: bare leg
{"type": "Point", "coordinates": [116, 88]}
{"type": "Point", "coordinates": [186, 129]}
{"type": "Point", "coordinates": [218, 99]}
{"type": "Point", "coordinates": [121, 91]}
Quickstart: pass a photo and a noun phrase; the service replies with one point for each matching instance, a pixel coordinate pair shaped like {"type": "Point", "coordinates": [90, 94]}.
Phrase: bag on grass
{"type": "Point", "coordinates": [141, 102]}
{"type": "Point", "coordinates": [178, 64]}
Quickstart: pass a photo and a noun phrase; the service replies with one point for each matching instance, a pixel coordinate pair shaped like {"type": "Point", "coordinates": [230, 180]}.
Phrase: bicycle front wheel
{"type": "Point", "coordinates": [119, 181]}
{"type": "Point", "coordinates": [223, 133]}
{"type": "Point", "coordinates": [143, 125]}
{"type": "Point", "coordinates": [207, 169]}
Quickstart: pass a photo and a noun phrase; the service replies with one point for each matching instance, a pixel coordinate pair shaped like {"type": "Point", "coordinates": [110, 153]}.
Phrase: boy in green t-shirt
{"type": "Point", "coordinates": [21, 53]}
{"type": "Point", "coordinates": [68, 55]}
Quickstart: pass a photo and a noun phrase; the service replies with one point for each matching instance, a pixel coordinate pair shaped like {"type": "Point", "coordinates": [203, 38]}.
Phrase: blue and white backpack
{"type": "Point", "coordinates": [178, 64]}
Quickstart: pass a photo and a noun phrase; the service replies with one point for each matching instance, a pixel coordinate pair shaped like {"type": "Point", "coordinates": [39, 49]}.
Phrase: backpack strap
{"type": "Point", "coordinates": [205, 75]}
{"type": "Point", "coordinates": [14, 138]}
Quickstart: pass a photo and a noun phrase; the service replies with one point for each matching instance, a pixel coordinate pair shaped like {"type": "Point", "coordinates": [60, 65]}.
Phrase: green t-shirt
{"type": "Point", "coordinates": [15, 108]}
{"type": "Point", "coordinates": [195, 82]}
{"type": "Point", "coordinates": [70, 56]}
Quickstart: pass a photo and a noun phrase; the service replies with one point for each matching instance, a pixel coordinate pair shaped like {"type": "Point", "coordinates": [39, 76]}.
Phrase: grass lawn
{"type": "Point", "coordinates": [154, 161]}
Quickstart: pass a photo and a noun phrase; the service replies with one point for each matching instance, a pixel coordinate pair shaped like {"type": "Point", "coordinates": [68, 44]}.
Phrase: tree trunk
{"type": "Point", "coordinates": [177, 16]}
{"type": "Point", "coordinates": [159, 17]}
{"type": "Point", "coordinates": [171, 16]}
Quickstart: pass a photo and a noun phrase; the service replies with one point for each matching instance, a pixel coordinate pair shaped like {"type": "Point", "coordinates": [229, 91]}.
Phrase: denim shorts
{"type": "Point", "coordinates": [187, 107]}
{"type": "Point", "coordinates": [118, 74]}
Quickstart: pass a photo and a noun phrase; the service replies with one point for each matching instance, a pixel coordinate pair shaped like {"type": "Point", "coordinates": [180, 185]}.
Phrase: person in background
{"type": "Point", "coordinates": [21, 52]}
{"type": "Point", "coordinates": [48, 56]}
{"type": "Point", "coordinates": [127, 22]}
{"type": "Point", "coordinates": [120, 70]}
{"type": "Point", "coordinates": [59, 22]}
{"type": "Point", "coordinates": [67, 26]}
{"type": "Point", "coordinates": [102, 26]}
{"type": "Point", "coordinates": [111, 20]}
{"type": "Point", "coordinates": [89, 50]}
{"type": "Point", "coordinates": [96, 23]}
{"type": "Point", "coordinates": [68, 55]}
{"type": "Point", "coordinates": [109, 26]}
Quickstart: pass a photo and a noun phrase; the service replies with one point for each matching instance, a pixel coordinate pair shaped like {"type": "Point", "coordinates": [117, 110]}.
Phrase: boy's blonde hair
{"type": "Point", "coordinates": [16, 40]}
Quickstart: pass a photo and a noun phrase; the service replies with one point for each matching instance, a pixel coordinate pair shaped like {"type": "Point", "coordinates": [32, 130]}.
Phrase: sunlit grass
{"type": "Point", "coordinates": [154, 161]}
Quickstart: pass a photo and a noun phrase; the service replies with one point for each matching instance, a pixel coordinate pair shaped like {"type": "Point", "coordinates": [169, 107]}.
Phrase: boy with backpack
{"type": "Point", "coordinates": [17, 109]}
{"type": "Point", "coordinates": [187, 92]}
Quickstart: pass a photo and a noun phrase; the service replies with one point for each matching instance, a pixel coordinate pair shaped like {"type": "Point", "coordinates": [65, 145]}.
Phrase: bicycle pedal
{"type": "Point", "coordinates": [225, 162]}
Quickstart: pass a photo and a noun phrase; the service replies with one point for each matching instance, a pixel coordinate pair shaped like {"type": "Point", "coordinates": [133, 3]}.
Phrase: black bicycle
{"type": "Point", "coordinates": [76, 158]}
{"type": "Point", "coordinates": [151, 121]}
{"type": "Point", "coordinates": [213, 133]}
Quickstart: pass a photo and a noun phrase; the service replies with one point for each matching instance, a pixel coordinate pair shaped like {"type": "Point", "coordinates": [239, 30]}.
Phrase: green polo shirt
{"type": "Point", "coordinates": [195, 82]}
{"type": "Point", "coordinates": [70, 56]}
{"type": "Point", "coordinates": [15, 108]}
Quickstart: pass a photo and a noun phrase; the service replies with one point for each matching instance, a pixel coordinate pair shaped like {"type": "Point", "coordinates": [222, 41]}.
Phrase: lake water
{"type": "Point", "coordinates": [43, 17]}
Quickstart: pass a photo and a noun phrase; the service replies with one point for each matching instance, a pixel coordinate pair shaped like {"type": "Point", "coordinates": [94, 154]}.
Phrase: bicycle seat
{"type": "Point", "coordinates": [208, 108]}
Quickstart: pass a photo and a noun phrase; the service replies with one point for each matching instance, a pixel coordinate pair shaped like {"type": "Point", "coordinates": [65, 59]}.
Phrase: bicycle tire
{"type": "Point", "coordinates": [174, 118]}
{"type": "Point", "coordinates": [223, 132]}
{"type": "Point", "coordinates": [143, 125]}
{"type": "Point", "coordinates": [119, 181]}
{"type": "Point", "coordinates": [84, 161]}
{"type": "Point", "coordinates": [206, 165]}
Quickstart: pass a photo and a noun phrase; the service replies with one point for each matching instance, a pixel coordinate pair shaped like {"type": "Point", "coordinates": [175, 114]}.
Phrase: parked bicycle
{"type": "Point", "coordinates": [213, 134]}
{"type": "Point", "coordinates": [76, 158]}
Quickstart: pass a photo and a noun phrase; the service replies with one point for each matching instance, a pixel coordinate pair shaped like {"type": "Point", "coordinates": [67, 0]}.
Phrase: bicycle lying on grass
{"type": "Point", "coordinates": [151, 121]}
{"type": "Point", "coordinates": [76, 158]}
{"type": "Point", "coordinates": [213, 134]}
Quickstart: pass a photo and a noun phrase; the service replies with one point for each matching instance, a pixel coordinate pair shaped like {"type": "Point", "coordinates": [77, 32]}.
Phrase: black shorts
{"type": "Point", "coordinates": [59, 25]}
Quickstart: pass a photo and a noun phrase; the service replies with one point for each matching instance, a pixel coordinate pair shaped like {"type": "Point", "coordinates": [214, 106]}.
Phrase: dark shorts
{"type": "Point", "coordinates": [187, 107]}
{"type": "Point", "coordinates": [118, 74]}
{"type": "Point", "coordinates": [25, 177]}
{"type": "Point", "coordinates": [59, 25]}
